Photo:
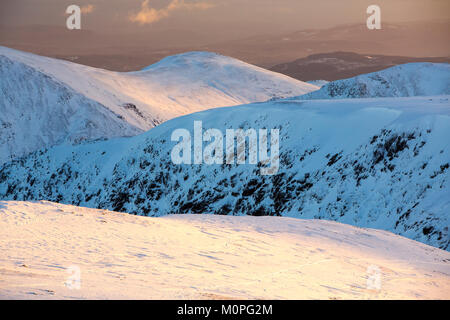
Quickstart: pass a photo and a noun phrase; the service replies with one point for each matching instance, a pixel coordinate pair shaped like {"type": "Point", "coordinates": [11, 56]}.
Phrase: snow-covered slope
{"type": "Point", "coordinates": [54, 251]}
{"type": "Point", "coordinates": [46, 101]}
{"type": "Point", "coordinates": [37, 111]}
{"type": "Point", "coordinates": [406, 80]}
{"type": "Point", "coordinates": [380, 163]}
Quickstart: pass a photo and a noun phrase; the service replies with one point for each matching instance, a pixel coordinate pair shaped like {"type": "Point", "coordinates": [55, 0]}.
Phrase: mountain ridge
{"type": "Point", "coordinates": [405, 80]}
{"type": "Point", "coordinates": [379, 163]}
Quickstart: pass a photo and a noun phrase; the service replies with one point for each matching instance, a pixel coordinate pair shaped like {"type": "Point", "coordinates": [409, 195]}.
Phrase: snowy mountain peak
{"type": "Point", "coordinates": [36, 90]}
{"type": "Point", "coordinates": [189, 58]}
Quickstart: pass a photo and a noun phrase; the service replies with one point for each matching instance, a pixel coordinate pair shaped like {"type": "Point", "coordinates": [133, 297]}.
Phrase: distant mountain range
{"type": "Point", "coordinates": [130, 52]}
{"type": "Point", "coordinates": [341, 65]}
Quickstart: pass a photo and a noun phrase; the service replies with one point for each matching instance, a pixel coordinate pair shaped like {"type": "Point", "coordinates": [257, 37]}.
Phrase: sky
{"type": "Point", "coordinates": [221, 17]}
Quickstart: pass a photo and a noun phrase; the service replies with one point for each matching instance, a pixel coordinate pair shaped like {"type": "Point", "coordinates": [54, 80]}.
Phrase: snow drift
{"type": "Point", "coordinates": [378, 163]}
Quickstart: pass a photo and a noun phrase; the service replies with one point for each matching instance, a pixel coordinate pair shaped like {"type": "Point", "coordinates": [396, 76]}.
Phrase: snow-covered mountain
{"type": "Point", "coordinates": [109, 255]}
{"type": "Point", "coordinates": [59, 101]}
{"type": "Point", "coordinates": [379, 163]}
{"type": "Point", "coordinates": [406, 80]}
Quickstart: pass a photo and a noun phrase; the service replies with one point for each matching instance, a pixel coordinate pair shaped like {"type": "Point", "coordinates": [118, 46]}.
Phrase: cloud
{"type": "Point", "coordinates": [149, 15]}
{"type": "Point", "coordinates": [87, 9]}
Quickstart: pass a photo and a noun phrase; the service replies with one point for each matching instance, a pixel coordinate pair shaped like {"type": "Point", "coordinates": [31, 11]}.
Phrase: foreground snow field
{"type": "Point", "coordinates": [207, 257]}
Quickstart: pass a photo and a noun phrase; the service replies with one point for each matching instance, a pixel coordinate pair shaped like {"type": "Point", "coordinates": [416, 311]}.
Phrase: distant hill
{"type": "Point", "coordinates": [342, 65]}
